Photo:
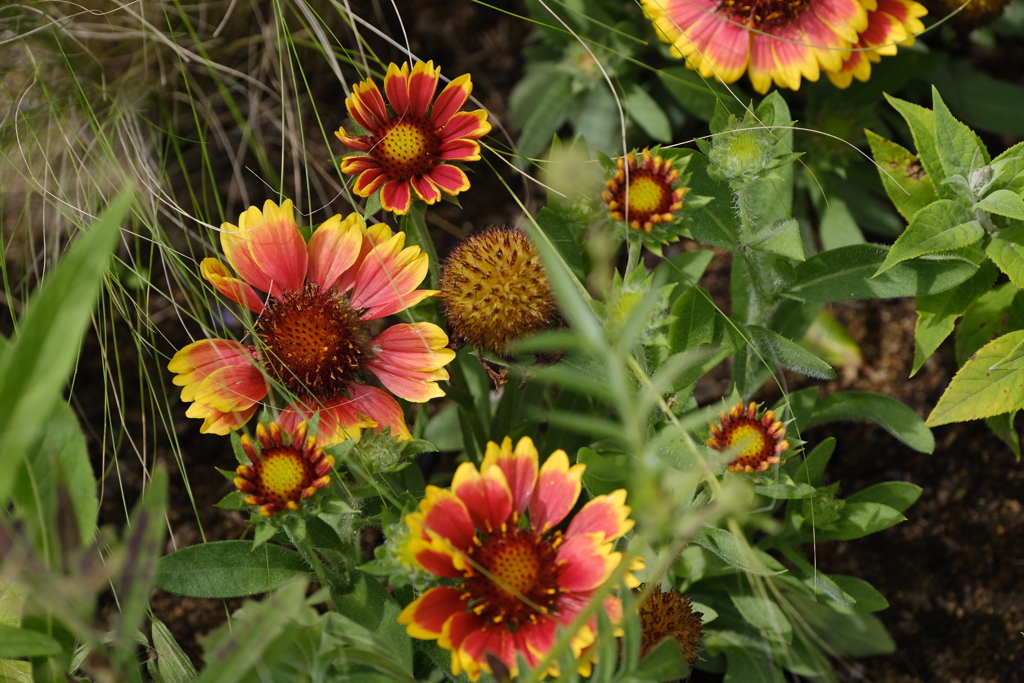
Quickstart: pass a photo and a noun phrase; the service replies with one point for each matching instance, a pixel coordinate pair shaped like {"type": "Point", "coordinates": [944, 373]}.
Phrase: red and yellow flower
{"type": "Point", "coordinates": [517, 579]}
{"type": "Point", "coordinates": [780, 41]}
{"type": "Point", "coordinates": [890, 23]}
{"type": "Point", "coordinates": [410, 141]}
{"type": "Point", "coordinates": [757, 442]}
{"type": "Point", "coordinates": [312, 337]}
{"type": "Point", "coordinates": [282, 472]}
{"type": "Point", "coordinates": [643, 194]}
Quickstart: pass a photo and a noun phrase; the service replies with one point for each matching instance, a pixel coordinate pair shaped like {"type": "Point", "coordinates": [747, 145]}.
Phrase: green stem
{"type": "Point", "coordinates": [313, 560]}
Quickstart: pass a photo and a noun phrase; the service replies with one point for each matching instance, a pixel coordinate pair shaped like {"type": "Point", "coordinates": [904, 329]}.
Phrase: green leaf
{"type": "Point", "coordinates": [764, 614]}
{"type": "Point", "coordinates": [1004, 203]}
{"type": "Point", "coordinates": [684, 269]}
{"type": "Point", "coordinates": [845, 274]}
{"type": "Point", "coordinates": [698, 95]}
{"type": "Point", "coordinates": [18, 642]}
{"type": "Point", "coordinates": [993, 314]}
{"type": "Point", "coordinates": [899, 495]}
{"type": "Point", "coordinates": [35, 366]}
{"type": "Point", "coordinates": [960, 149]}
{"type": "Point", "coordinates": [604, 473]}
{"type": "Point", "coordinates": [854, 635]}
{"type": "Point", "coordinates": [664, 663]}
{"type": "Point", "coordinates": [1009, 169]}
{"type": "Point", "coordinates": [566, 238]}
{"type": "Point", "coordinates": [740, 555]}
{"type": "Point", "coordinates": [694, 316]}
{"type": "Point", "coordinates": [813, 466]}
{"type": "Point", "coordinates": [777, 349]}
{"type": "Point", "coordinates": [1002, 426]}
{"type": "Point", "coordinates": [172, 662]}
{"type": "Point", "coordinates": [646, 113]}
{"type": "Point", "coordinates": [749, 666]}
{"type": "Point", "coordinates": [714, 223]}
{"type": "Point", "coordinates": [941, 226]}
{"type": "Point", "coordinates": [782, 238]}
{"type": "Point", "coordinates": [922, 127]}
{"type": "Point", "coordinates": [546, 117]}
{"type": "Point", "coordinates": [867, 598]}
{"type": "Point", "coordinates": [372, 607]}
{"type": "Point", "coordinates": [838, 227]}
{"type": "Point", "coordinates": [937, 314]}
{"type": "Point", "coordinates": [860, 519]}
{"type": "Point", "coordinates": [990, 383]}
{"type": "Point", "coordinates": [227, 569]}
{"type": "Point", "coordinates": [893, 416]}
{"type": "Point", "coordinates": [904, 178]}
{"type": "Point", "coordinates": [786, 491]}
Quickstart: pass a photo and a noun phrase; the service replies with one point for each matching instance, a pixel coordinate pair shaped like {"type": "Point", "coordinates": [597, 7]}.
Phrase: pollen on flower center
{"type": "Point", "coordinates": [648, 194]}
{"type": "Point", "coordinates": [282, 474]}
{"type": "Point", "coordinates": [312, 341]}
{"type": "Point", "coordinates": [407, 149]}
{"type": "Point", "coordinates": [522, 564]}
{"type": "Point", "coordinates": [763, 14]}
{"type": "Point", "coordinates": [747, 440]}
{"type": "Point", "coordinates": [758, 440]}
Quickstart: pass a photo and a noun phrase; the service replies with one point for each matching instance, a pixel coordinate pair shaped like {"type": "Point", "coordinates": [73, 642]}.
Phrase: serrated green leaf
{"type": "Point", "coordinates": [990, 383]}
{"type": "Point", "coordinates": [899, 495]}
{"type": "Point", "coordinates": [941, 226]}
{"type": "Point", "coordinates": [1003, 203]}
{"type": "Point", "coordinates": [904, 178]}
{"type": "Point", "coordinates": [227, 569]}
{"type": "Point", "coordinates": [993, 314]}
{"type": "Point", "coordinates": [922, 127]}
{"type": "Point", "coordinates": [775, 348]}
{"type": "Point", "coordinates": [845, 274]}
{"type": "Point", "coordinates": [861, 519]}
{"type": "Point", "coordinates": [892, 415]}
{"type": "Point", "coordinates": [1009, 169]}
{"type": "Point", "coordinates": [960, 149]}
{"type": "Point", "coordinates": [782, 238]}
{"type": "Point", "coordinates": [1009, 256]}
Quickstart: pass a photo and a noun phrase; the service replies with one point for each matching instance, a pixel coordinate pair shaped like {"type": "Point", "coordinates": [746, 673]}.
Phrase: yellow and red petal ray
{"type": "Point", "coordinates": [558, 488]}
{"type": "Point", "coordinates": [793, 58]}
{"type": "Point", "coordinates": [449, 178]}
{"type": "Point", "coordinates": [277, 247]}
{"type": "Point", "coordinates": [195, 362]}
{"type": "Point", "coordinates": [829, 47]}
{"type": "Point", "coordinates": [459, 150]}
{"type": "Point", "coordinates": [357, 163]}
{"type": "Point", "coordinates": [446, 516]}
{"type": "Point", "coordinates": [396, 197]}
{"type": "Point", "coordinates": [486, 496]}
{"type": "Point", "coordinates": [535, 640]}
{"type": "Point", "coordinates": [436, 557]}
{"type": "Point", "coordinates": [218, 275]}
{"type": "Point", "coordinates": [369, 181]}
{"type": "Point", "coordinates": [233, 240]}
{"type": "Point", "coordinates": [450, 100]}
{"type": "Point", "coordinates": [380, 407]}
{"type": "Point", "coordinates": [762, 63]}
{"type": "Point", "coordinates": [466, 125]}
{"type": "Point", "coordinates": [586, 561]}
{"type": "Point", "coordinates": [846, 18]}
{"type": "Point", "coordinates": [388, 272]}
{"type": "Point", "coordinates": [367, 106]}
{"type": "Point", "coordinates": [400, 304]}
{"type": "Point", "coordinates": [425, 617]}
{"type": "Point", "coordinates": [856, 66]}
{"type": "Point", "coordinates": [396, 87]}
{"type": "Point", "coordinates": [422, 86]}
{"type": "Point", "coordinates": [884, 32]}
{"type": "Point", "coordinates": [361, 143]}
{"type": "Point", "coordinates": [410, 358]}
{"type": "Point", "coordinates": [906, 12]}
{"type": "Point", "coordinates": [425, 189]}
{"type": "Point", "coordinates": [694, 42]}
{"type": "Point", "coordinates": [234, 387]}
{"type": "Point", "coordinates": [373, 235]}
{"type": "Point", "coordinates": [607, 514]}
{"type": "Point", "coordinates": [520, 468]}
{"type": "Point", "coordinates": [339, 420]}
{"type": "Point", "coordinates": [489, 639]}
{"type": "Point", "coordinates": [219, 422]}
{"type": "Point", "coordinates": [334, 247]}
{"type": "Point", "coordinates": [728, 51]}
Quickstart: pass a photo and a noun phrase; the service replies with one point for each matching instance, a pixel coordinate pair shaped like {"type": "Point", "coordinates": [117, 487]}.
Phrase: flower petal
{"type": "Point", "coordinates": [218, 275]}
{"type": "Point", "coordinates": [520, 468]}
{"type": "Point", "coordinates": [558, 487]}
{"type": "Point", "coordinates": [373, 235]}
{"type": "Point", "coordinates": [266, 248]}
{"type": "Point", "coordinates": [586, 561]}
{"type": "Point", "coordinates": [446, 517]}
{"type": "Point", "coordinates": [388, 273]}
{"type": "Point", "coordinates": [234, 387]}
{"type": "Point", "coordinates": [476, 640]}
{"type": "Point", "coordinates": [426, 190]}
{"type": "Point", "coordinates": [449, 178]}
{"type": "Point", "coordinates": [426, 616]}
{"type": "Point", "coordinates": [606, 514]}
{"type": "Point", "coordinates": [339, 419]}
{"type": "Point", "coordinates": [197, 361]}
{"type": "Point", "coordinates": [466, 125]}
{"type": "Point", "coordinates": [366, 106]}
{"type": "Point", "coordinates": [395, 196]}
{"type": "Point", "coordinates": [410, 358]}
{"type": "Point", "coordinates": [357, 163]}
{"type": "Point", "coordinates": [450, 100]}
{"type": "Point", "coordinates": [422, 85]}
{"type": "Point", "coordinates": [334, 247]}
{"type": "Point", "coordinates": [380, 407]}
{"type": "Point", "coordinates": [459, 150]}
{"type": "Point", "coordinates": [485, 496]}
{"type": "Point", "coordinates": [217, 422]}
{"type": "Point", "coordinates": [430, 552]}
{"type": "Point", "coordinates": [369, 181]}
{"type": "Point", "coordinates": [396, 87]}
{"type": "Point", "coordinates": [360, 143]}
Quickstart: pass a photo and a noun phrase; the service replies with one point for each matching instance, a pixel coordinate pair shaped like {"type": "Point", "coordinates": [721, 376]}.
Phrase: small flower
{"type": "Point", "coordinates": [643, 195]}
{"type": "Point", "coordinates": [282, 472]}
{"type": "Point", "coordinates": [515, 581]}
{"type": "Point", "coordinates": [495, 291]}
{"type": "Point", "coordinates": [894, 22]}
{"type": "Point", "coordinates": [758, 441]}
{"type": "Point", "coordinates": [312, 336]}
{"type": "Point", "coordinates": [669, 615]}
{"type": "Point", "coordinates": [410, 141]}
{"type": "Point", "coordinates": [770, 40]}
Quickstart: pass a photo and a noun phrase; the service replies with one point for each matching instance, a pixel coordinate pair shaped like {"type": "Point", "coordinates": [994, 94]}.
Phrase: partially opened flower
{"type": "Point", "coordinates": [516, 579]}
{"type": "Point", "coordinates": [891, 23]}
{"type": "Point", "coordinates": [645, 193]}
{"type": "Point", "coordinates": [409, 142]}
{"type": "Point", "coordinates": [282, 471]}
{"type": "Point", "coordinates": [771, 40]}
{"type": "Point", "coordinates": [756, 441]}
{"type": "Point", "coordinates": [314, 303]}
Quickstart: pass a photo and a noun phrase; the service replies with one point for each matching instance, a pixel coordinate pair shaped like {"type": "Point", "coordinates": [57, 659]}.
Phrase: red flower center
{"type": "Point", "coordinates": [281, 475]}
{"type": "Point", "coordinates": [523, 578]}
{"type": "Point", "coordinates": [763, 14]}
{"type": "Point", "coordinates": [406, 148]}
{"type": "Point", "coordinates": [312, 341]}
